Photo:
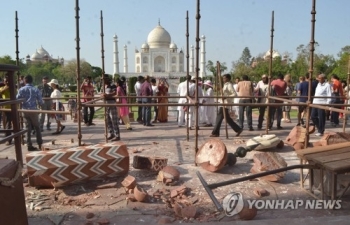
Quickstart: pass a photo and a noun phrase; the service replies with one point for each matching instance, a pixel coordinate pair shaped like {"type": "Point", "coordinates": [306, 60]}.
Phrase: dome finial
{"type": "Point", "coordinates": [158, 21]}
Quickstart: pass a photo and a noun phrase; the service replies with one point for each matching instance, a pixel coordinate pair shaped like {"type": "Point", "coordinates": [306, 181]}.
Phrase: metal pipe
{"type": "Point", "coordinates": [188, 74]}
{"type": "Point", "coordinates": [270, 73]}
{"type": "Point", "coordinates": [77, 39]}
{"type": "Point", "coordinates": [103, 74]}
{"type": "Point", "coordinates": [21, 124]}
{"type": "Point", "coordinates": [204, 104]}
{"type": "Point", "coordinates": [17, 49]}
{"type": "Point", "coordinates": [209, 187]}
{"type": "Point", "coordinates": [18, 101]}
{"type": "Point", "coordinates": [345, 120]}
{"type": "Point", "coordinates": [17, 134]}
{"type": "Point", "coordinates": [36, 111]}
{"type": "Point", "coordinates": [198, 17]}
{"type": "Point", "coordinates": [311, 66]}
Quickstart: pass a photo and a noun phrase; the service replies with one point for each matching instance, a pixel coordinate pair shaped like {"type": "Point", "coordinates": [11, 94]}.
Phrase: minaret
{"type": "Point", "coordinates": [202, 68]}
{"type": "Point", "coordinates": [125, 59]}
{"type": "Point", "coordinates": [192, 59]}
{"type": "Point", "coordinates": [115, 55]}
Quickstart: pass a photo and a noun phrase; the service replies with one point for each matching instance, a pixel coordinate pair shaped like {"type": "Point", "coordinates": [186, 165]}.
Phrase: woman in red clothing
{"type": "Point", "coordinates": [123, 110]}
{"type": "Point", "coordinates": [163, 88]}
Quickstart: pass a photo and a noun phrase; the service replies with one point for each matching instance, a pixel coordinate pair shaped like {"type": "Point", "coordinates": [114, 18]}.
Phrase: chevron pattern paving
{"type": "Point", "coordinates": [61, 167]}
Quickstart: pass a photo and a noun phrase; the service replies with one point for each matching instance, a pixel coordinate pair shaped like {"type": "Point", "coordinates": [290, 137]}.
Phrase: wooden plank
{"type": "Point", "coordinates": [327, 153]}
{"type": "Point", "coordinates": [303, 152]}
{"type": "Point", "coordinates": [331, 158]}
{"type": "Point", "coordinates": [341, 166]}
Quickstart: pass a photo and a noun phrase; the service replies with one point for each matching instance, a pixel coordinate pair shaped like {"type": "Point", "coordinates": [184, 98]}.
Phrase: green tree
{"type": "Point", "coordinates": [68, 71]}
{"type": "Point", "coordinates": [323, 64]}
{"type": "Point", "coordinates": [7, 60]}
{"type": "Point", "coordinates": [345, 49]}
{"type": "Point", "coordinates": [213, 68]}
{"type": "Point", "coordinates": [341, 66]}
{"type": "Point", "coordinates": [262, 67]}
{"type": "Point", "coordinates": [246, 57]}
{"type": "Point", "coordinates": [96, 72]}
{"type": "Point", "coordinates": [240, 68]}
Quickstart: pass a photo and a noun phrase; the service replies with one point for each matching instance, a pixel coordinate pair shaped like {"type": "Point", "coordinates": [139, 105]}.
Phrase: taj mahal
{"type": "Point", "coordinates": [159, 57]}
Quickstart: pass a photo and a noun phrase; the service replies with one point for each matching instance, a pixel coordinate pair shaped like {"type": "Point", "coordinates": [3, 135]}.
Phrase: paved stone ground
{"type": "Point", "coordinates": [70, 205]}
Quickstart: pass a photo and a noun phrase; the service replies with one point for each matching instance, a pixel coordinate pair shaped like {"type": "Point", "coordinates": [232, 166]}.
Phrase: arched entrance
{"type": "Point", "coordinates": [159, 64]}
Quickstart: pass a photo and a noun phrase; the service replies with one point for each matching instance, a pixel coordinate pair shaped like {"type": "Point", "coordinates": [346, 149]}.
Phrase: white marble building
{"type": "Point", "coordinates": [159, 57]}
{"type": "Point", "coordinates": [41, 55]}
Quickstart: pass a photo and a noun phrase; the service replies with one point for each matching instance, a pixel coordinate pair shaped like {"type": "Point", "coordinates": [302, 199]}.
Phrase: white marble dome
{"type": "Point", "coordinates": [36, 55]}
{"type": "Point", "coordinates": [159, 38]}
{"type": "Point", "coordinates": [42, 51]}
{"type": "Point", "coordinates": [275, 54]}
{"type": "Point", "coordinates": [173, 45]}
{"type": "Point", "coordinates": [145, 45]}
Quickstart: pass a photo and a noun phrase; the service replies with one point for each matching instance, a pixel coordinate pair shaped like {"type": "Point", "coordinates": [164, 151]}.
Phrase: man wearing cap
{"type": "Point", "coordinates": [137, 89]}
{"type": "Point", "coordinates": [46, 91]}
{"type": "Point", "coordinates": [227, 91]}
{"type": "Point", "coordinates": [32, 98]}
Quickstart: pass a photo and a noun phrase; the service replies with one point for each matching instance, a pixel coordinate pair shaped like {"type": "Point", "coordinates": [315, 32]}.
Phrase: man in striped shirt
{"type": "Point", "coordinates": [32, 99]}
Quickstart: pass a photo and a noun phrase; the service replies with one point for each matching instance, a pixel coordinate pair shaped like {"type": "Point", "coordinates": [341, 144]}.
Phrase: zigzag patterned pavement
{"type": "Point", "coordinates": [57, 168]}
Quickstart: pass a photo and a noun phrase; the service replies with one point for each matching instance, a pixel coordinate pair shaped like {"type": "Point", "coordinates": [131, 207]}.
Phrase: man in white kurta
{"type": "Point", "coordinates": [209, 110]}
{"type": "Point", "coordinates": [182, 91]}
{"type": "Point", "coordinates": [192, 93]}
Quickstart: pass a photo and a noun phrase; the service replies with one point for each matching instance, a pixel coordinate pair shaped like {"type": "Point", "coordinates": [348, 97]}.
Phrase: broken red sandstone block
{"type": "Point", "coordinates": [212, 155]}
{"type": "Point", "coordinates": [248, 213]}
{"type": "Point", "coordinates": [150, 163]}
{"type": "Point", "coordinates": [140, 194]}
{"type": "Point", "coordinates": [189, 211]}
{"type": "Point", "coordinates": [260, 192]}
{"type": "Point", "coordinates": [266, 161]}
{"type": "Point", "coordinates": [129, 182]}
{"type": "Point", "coordinates": [89, 215]}
{"type": "Point", "coordinates": [168, 175]}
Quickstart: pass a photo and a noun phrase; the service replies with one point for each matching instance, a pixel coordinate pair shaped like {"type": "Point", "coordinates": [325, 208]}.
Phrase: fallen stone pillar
{"type": "Point", "coordinates": [212, 155]}
{"type": "Point", "coordinates": [72, 165]}
{"type": "Point", "coordinates": [297, 136]}
{"type": "Point", "coordinates": [149, 163]}
{"type": "Point", "coordinates": [267, 161]}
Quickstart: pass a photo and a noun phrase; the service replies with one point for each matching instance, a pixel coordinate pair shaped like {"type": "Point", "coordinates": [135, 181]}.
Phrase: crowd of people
{"type": "Point", "coordinates": [47, 97]}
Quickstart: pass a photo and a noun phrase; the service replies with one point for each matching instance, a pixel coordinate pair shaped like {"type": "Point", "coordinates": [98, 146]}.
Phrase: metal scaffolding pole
{"type": "Point", "coordinates": [311, 67]}
{"type": "Point", "coordinates": [188, 74]}
{"type": "Point", "coordinates": [77, 39]}
{"type": "Point", "coordinates": [21, 124]}
{"type": "Point", "coordinates": [198, 16]}
{"type": "Point", "coordinates": [103, 74]}
{"type": "Point", "coordinates": [345, 120]}
{"type": "Point", "coordinates": [270, 74]}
